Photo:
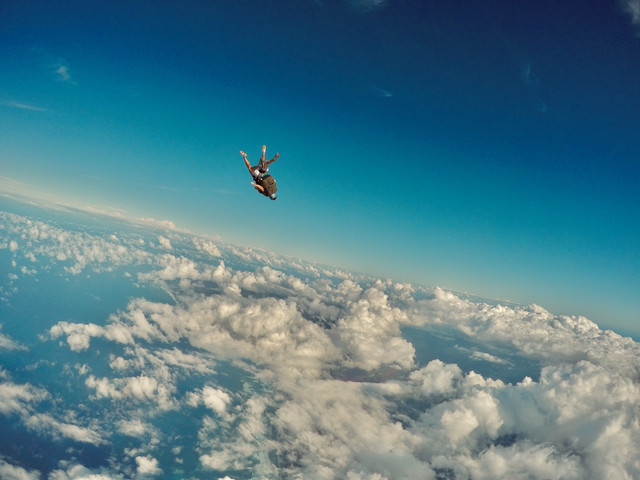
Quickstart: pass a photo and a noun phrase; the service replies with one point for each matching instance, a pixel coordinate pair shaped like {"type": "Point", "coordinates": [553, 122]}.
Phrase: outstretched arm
{"type": "Point", "coordinates": [259, 188]}
{"type": "Point", "coordinates": [244, 155]}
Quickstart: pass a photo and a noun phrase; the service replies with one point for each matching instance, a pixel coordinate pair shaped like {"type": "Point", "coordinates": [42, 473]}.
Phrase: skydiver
{"type": "Point", "coordinates": [263, 182]}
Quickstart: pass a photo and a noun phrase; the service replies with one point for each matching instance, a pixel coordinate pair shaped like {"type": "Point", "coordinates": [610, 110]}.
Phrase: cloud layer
{"type": "Point", "coordinates": [325, 383]}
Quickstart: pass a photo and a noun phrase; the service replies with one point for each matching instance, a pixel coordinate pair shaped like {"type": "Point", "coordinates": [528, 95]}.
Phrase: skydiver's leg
{"type": "Point", "coordinates": [261, 162]}
{"type": "Point", "coordinates": [272, 160]}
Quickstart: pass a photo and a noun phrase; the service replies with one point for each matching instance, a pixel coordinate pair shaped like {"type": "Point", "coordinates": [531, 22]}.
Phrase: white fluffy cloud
{"type": "Point", "coordinates": [78, 335]}
{"type": "Point", "coordinates": [22, 400]}
{"type": "Point", "coordinates": [43, 422]}
{"type": "Point", "coordinates": [13, 472]}
{"type": "Point", "coordinates": [536, 333]}
{"type": "Point", "coordinates": [19, 399]}
{"type": "Point", "coordinates": [326, 425]}
{"type": "Point", "coordinates": [7, 343]}
{"type": "Point", "coordinates": [78, 251]}
{"type": "Point", "coordinates": [216, 399]}
{"type": "Point", "coordinates": [148, 465]}
{"type": "Point", "coordinates": [368, 333]}
{"type": "Point", "coordinates": [165, 242]}
{"type": "Point", "coordinates": [133, 427]}
{"type": "Point", "coordinates": [206, 246]}
{"type": "Point", "coordinates": [143, 388]}
{"type": "Point", "coordinates": [329, 385]}
{"type": "Point", "coordinates": [80, 472]}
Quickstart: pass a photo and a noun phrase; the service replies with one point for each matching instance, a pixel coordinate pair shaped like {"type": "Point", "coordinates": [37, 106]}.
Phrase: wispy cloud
{"type": "Point", "coordinates": [543, 107]}
{"type": "Point", "coordinates": [367, 5]}
{"type": "Point", "coordinates": [526, 73]}
{"type": "Point", "coordinates": [63, 73]}
{"type": "Point", "coordinates": [633, 8]}
{"type": "Point", "coordinates": [382, 92]}
{"type": "Point", "coordinates": [47, 424]}
{"type": "Point", "coordinates": [7, 343]}
{"type": "Point", "coordinates": [164, 224]}
{"type": "Point", "coordinates": [53, 65]}
{"type": "Point", "coordinates": [10, 185]}
{"type": "Point", "coordinates": [533, 84]}
{"type": "Point", "coordinates": [361, 5]}
{"type": "Point", "coordinates": [23, 106]}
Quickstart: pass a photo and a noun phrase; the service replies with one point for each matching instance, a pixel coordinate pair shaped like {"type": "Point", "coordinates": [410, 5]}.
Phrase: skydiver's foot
{"type": "Point", "coordinates": [276, 157]}
{"type": "Point", "coordinates": [264, 148]}
{"type": "Point", "coordinates": [243, 154]}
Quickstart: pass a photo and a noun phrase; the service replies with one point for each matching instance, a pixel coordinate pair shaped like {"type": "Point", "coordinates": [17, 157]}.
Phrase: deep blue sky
{"type": "Point", "coordinates": [490, 147]}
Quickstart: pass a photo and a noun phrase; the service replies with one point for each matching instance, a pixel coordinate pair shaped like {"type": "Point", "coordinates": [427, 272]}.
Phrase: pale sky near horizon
{"type": "Point", "coordinates": [491, 148]}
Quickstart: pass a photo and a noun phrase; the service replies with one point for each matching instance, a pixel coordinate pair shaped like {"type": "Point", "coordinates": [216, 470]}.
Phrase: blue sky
{"type": "Point", "coordinates": [489, 147]}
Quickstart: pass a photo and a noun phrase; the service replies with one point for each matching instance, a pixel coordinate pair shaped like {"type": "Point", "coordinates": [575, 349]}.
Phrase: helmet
{"type": "Point", "coordinates": [273, 196]}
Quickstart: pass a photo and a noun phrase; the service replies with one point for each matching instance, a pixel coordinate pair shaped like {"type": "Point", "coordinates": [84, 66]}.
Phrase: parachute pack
{"type": "Point", "coordinates": [269, 184]}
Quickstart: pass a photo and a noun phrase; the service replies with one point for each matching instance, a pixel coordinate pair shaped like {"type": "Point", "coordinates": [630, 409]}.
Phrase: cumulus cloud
{"type": "Point", "coordinates": [143, 388]}
{"type": "Point", "coordinates": [326, 383]}
{"type": "Point", "coordinates": [324, 425]}
{"type": "Point", "coordinates": [43, 422]}
{"type": "Point", "coordinates": [133, 428]}
{"type": "Point", "coordinates": [165, 242]}
{"type": "Point", "coordinates": [522, 460]}
{"type": "Point", "coordinates": [13, 472]}
{"type": "Point", "coordinates": [216, 399]}
{"type": "Point", "coordinates": [334, 428]}
{"type": "Point", "coordinates": [164, 224]}
{"type": "Point", "coordinates": [248, 448]}
{"type": "Point", "coordinates": [78, 251]}
{"type": "Point", "coordinates": [535, 332]}
{"type": "Point", "coordinates": [15, 398]}
{"type": "Point", "coordinates": [369, 332]}
{"type": "Point", "coordinates": [22, 400]}
{"type": "Point", "coordinates": [78, 335]}
{"type": "Point", "coordinates": [80, 472]}
{"type": "Point", "coordinates": [437, 379]}
{"type": "Point", "coordinates": [206, 246]}
{"type": "Point", "coordinates": [148, 465]}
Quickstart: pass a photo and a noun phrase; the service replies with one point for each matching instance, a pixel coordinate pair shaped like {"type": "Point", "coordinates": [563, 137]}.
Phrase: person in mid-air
{"type": "Point", "coordinates": [263, 182]}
